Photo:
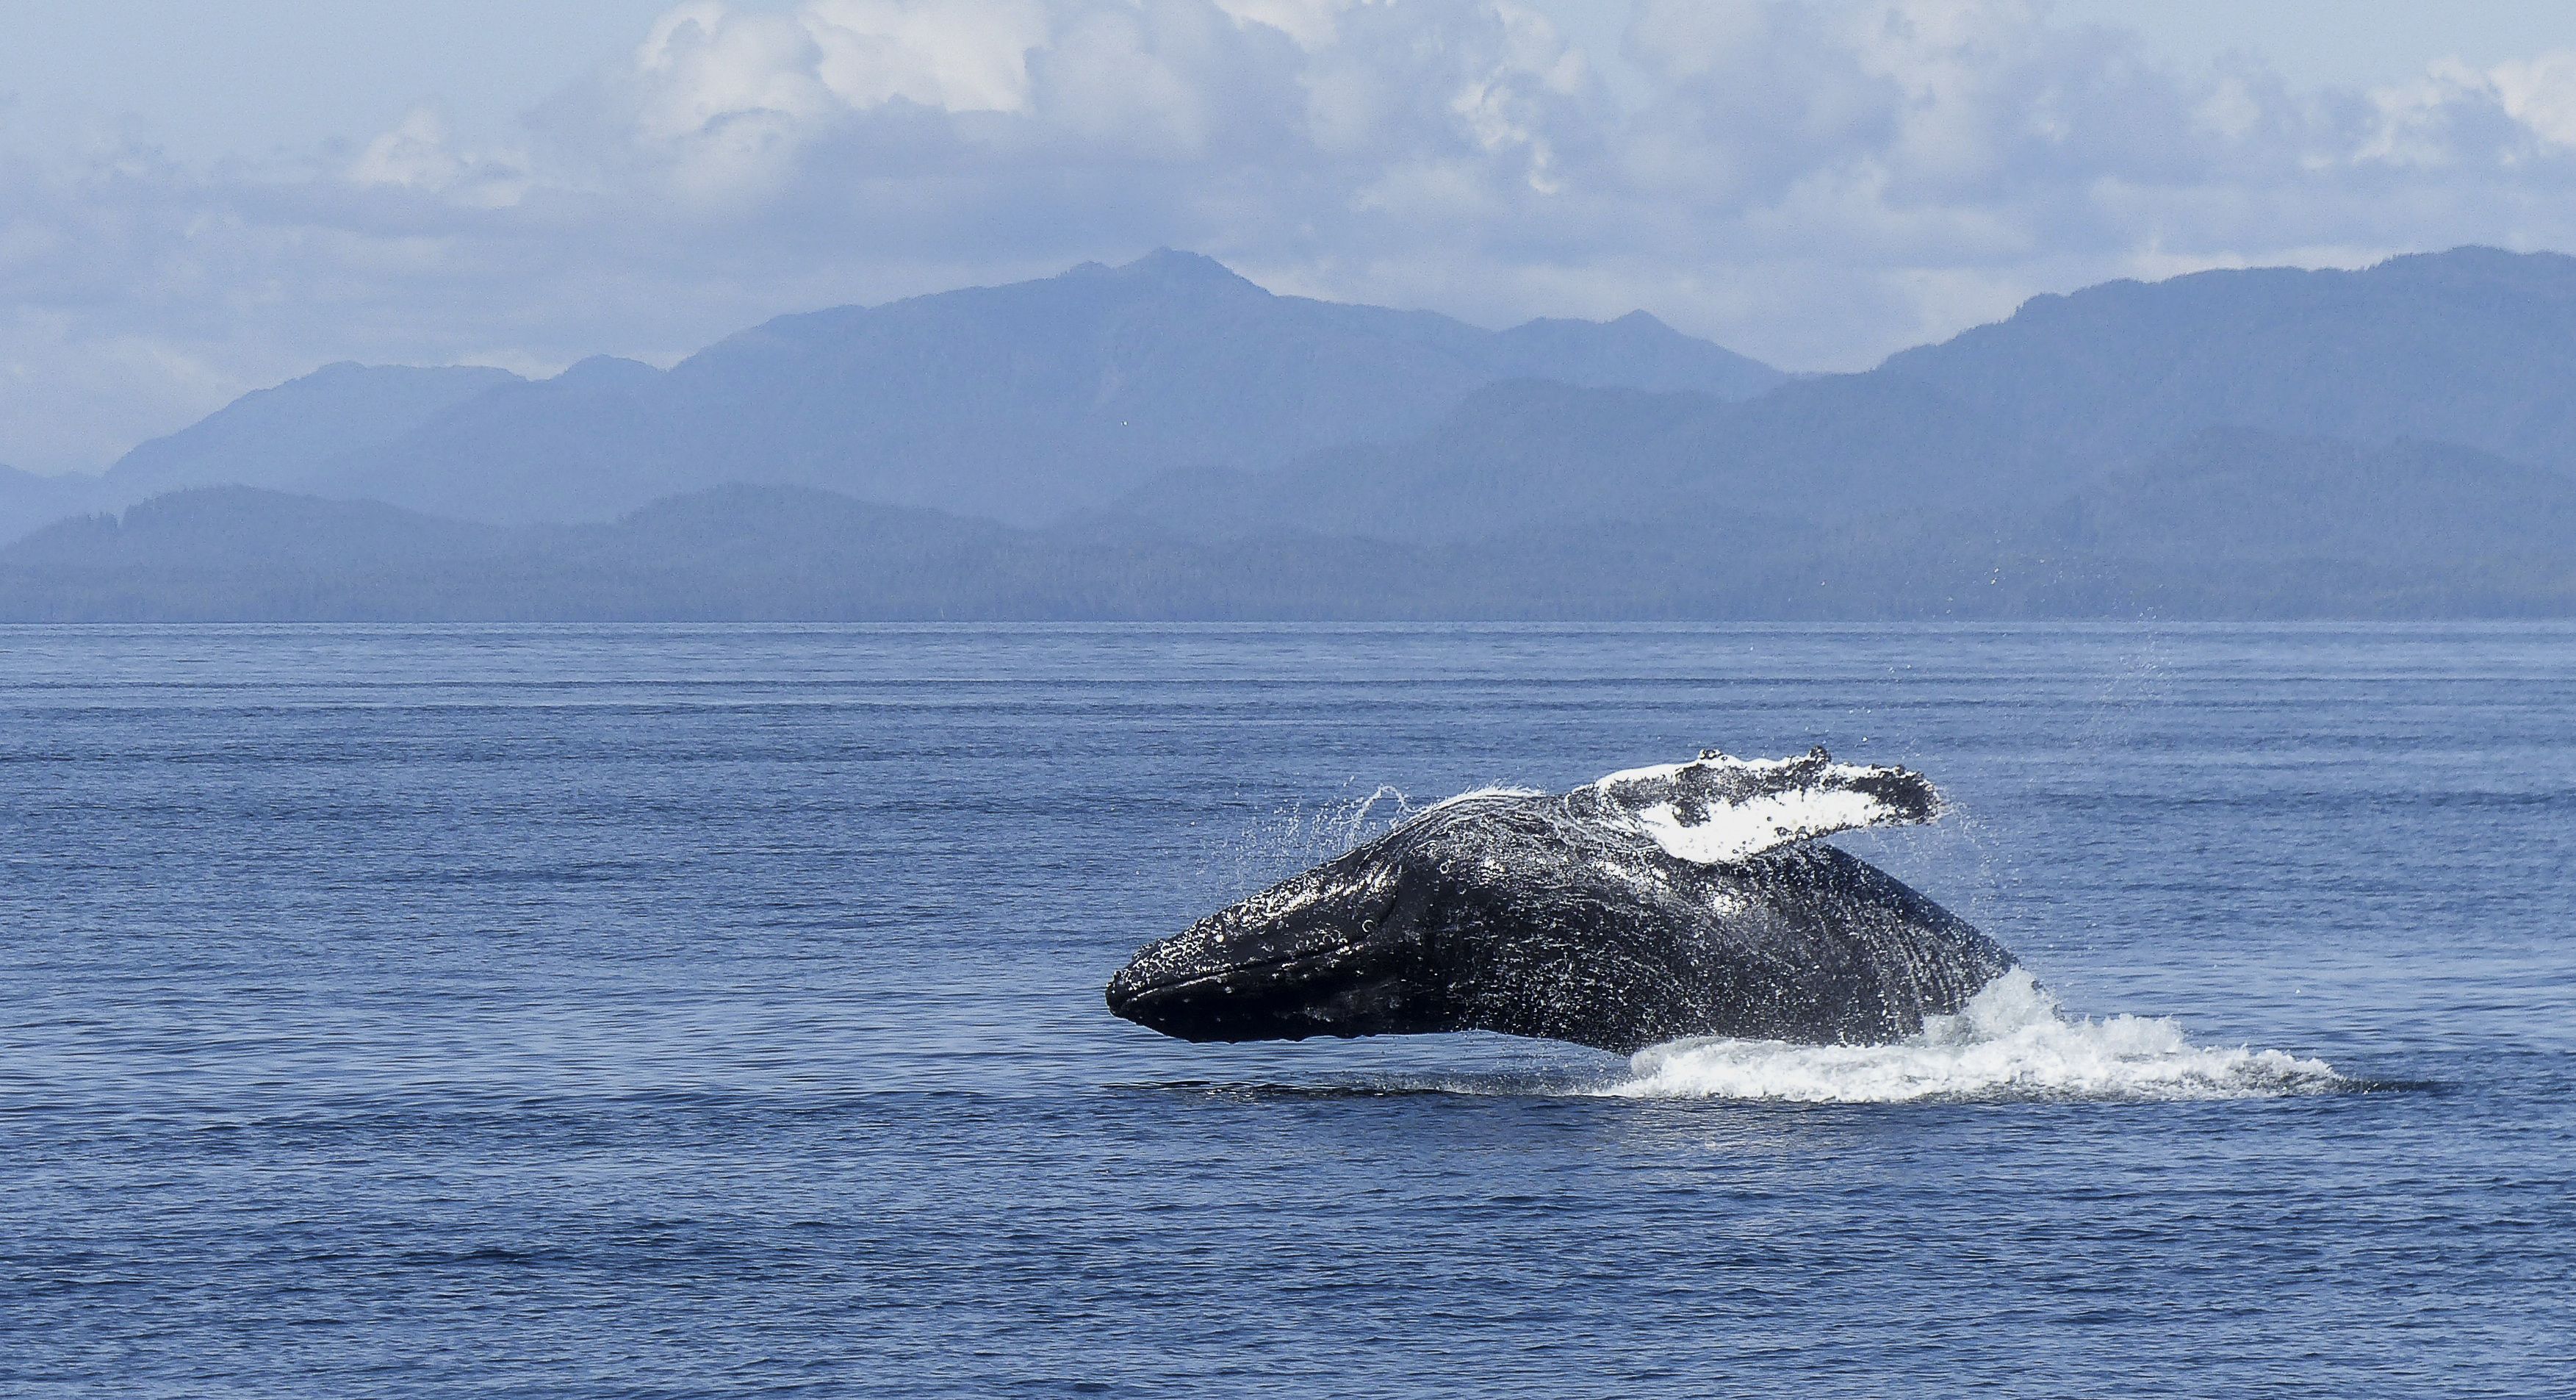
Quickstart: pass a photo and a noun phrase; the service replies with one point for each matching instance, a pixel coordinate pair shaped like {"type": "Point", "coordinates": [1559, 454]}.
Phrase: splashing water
{"type": "Point", "coordinates": [1294, 837]}
{"type": "Point", "coordinates": [2011, 1041]}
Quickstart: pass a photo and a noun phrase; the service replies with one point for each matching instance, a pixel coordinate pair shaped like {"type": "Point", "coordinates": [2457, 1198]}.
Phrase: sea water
{"type": "Point", "coordinates": [583, 1011]}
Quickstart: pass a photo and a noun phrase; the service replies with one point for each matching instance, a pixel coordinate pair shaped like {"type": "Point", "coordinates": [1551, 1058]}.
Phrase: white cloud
{"type": "Point", "coordinates": [956, 55]}
{"type": "Point", "coordinates": [1314, 24]}
{"type": "Point", "coordinates": [417, 155]}
{"type": "Point", "coordinates": [2540, 93]}
{"type": "Point", "coordinates": [414, 154]}
{"type": "Point", "coordinates": [1814, 181]}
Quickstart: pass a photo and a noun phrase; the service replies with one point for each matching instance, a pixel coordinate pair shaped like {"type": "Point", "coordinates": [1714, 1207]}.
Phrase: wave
{"type": "Point", "coordinates": [2011, 1041]}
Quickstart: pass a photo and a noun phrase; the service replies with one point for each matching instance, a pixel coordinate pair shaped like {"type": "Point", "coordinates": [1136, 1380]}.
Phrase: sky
{"type": "Point", "coordinates": [200, 200]}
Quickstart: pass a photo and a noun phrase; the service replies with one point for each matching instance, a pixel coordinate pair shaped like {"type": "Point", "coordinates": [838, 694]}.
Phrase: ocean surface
{"type": "Point", "coordinates": [591, 1011]}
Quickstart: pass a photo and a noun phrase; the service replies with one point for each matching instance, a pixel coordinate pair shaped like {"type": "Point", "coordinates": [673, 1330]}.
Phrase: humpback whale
{"type": "Point", "coordinates": [1685, 899]}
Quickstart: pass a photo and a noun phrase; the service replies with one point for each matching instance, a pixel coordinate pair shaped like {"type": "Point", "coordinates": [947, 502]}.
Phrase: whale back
{"type": "Point", "coordinates": [1545, 921]}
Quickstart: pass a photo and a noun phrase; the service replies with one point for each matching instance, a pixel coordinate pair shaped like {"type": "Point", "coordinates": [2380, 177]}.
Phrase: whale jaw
{"type": "Point", "coordinates": [1266, 1001]}
{"type": "Point", "coordinates": [1319, 955]}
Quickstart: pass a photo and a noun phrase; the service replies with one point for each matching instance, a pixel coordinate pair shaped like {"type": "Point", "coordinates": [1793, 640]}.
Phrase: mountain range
{"type": "Point", "coordinates": [1166, 439]}
{"type": "Point", "coordinates": [1021, 403]}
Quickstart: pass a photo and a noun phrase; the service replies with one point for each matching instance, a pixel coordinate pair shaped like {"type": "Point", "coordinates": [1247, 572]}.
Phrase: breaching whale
{"type": "Point", "coordinates": [1686, 899]}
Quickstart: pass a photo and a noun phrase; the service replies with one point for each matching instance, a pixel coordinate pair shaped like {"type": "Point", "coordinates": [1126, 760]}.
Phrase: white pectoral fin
{"type": "Point", "coordinates": [1717, 810]}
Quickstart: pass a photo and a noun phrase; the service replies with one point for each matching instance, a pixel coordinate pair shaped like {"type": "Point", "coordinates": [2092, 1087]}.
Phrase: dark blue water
{"type": "Point", "coordinates": [588, 1011]}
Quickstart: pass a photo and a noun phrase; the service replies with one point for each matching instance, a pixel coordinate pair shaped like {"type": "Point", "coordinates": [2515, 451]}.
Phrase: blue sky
{"type": "Point", "coordinates": [196, 200]}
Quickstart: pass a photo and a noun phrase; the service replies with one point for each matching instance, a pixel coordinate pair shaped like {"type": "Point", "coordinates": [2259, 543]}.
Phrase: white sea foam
{"type": "Point", "coordinates": [2011, 1041]}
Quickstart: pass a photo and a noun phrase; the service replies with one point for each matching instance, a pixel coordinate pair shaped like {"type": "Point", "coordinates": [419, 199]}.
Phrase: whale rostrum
{"type": "Point", "coordinates": [1687, 899]}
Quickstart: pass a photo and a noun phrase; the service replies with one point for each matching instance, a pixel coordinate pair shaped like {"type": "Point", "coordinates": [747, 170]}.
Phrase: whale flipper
{"type": "Point", "coordinates": [1719, 810]}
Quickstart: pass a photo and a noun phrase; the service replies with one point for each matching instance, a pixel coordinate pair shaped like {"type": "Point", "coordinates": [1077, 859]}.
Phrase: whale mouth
{"type": "Point", "coordinates": [1277, 996]}
{"type": "Point", "coordinates": [1148, 996]}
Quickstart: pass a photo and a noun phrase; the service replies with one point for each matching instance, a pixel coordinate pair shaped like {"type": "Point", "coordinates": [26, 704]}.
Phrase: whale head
{"type": "Point", "coordinates": [1321, 954]}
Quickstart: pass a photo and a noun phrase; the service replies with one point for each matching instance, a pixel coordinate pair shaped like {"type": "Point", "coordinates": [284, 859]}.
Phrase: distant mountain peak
{"type": "Point", "coordinates": [1634, 324]}
{"type": "Point", "coordinates": [607, 371]}
{"type": "Point", "coordinates": [1175, 267]}
{"type": "Point", "coordinates": [340, 372]}
{"type": "Point", "coordinates": [279, 436]}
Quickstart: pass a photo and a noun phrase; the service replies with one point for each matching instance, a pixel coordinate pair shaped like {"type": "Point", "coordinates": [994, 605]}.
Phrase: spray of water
{"type": "Point", "coordinates": [1291, 838]}
{"type": "Point", "coordinates": [2012, 1041]}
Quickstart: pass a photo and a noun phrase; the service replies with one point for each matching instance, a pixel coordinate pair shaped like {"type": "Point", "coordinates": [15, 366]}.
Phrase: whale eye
{"type": "Point", "coordinates": [1368, 925]}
